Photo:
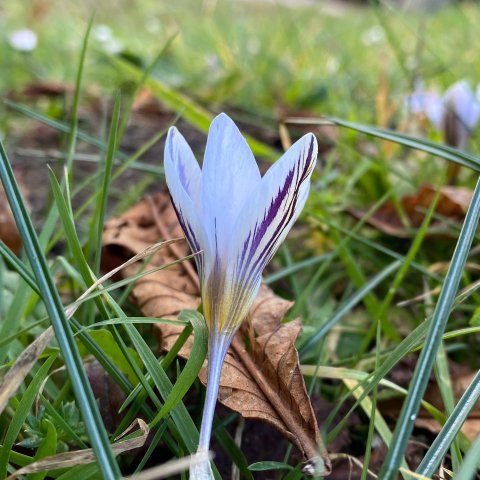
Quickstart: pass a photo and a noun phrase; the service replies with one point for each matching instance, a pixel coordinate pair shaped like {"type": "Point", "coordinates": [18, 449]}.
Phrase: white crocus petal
{"type": "Point", "coordinates": [183, 176]}
{"type": "Point", "coordinates": [426, 102]}
{"type": "Point", "coordinates": [179, 154]}
{"type": "Point", "coordinates": [229, 175]}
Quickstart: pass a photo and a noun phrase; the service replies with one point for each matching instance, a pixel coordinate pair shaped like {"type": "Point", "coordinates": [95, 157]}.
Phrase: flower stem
{"type": "Point", "coordinates": [217, 348]}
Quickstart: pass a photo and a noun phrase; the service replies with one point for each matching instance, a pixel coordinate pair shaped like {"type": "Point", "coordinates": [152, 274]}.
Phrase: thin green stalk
{"type": "Point", "coordinates": [98, 217]}
{"type": "Point", "coordinates": [72, 136]}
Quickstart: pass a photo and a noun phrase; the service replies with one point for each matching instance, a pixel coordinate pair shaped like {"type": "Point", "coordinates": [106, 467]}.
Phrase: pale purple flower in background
{"type": "Point", "coordinates": [237, 219]}
{"type": "Point", "coordinates": [23, 40]}
{"type": "Point", "coordinates": [455, 113]}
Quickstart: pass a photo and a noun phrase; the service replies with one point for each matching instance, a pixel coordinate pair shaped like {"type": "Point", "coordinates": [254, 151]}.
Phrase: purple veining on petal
{"type": "Point", "coordinates": [248, 269]}
{"type": "Point", "coordinates": [271, 215]}
{"type": "Point", "coordinates": [182, 176]}
{"type": "Point", "coordinates": [272, 211]}
{"type": "Point", "coordinates": [244, 249]}
{"type": "Point", "coordinates": [190, 236]}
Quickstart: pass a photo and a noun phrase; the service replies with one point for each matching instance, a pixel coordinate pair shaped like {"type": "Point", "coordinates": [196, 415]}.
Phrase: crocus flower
{"type": "Point", "coordinates": [237, 219]}
{"type": "Point", "coordinates": [455, 113]}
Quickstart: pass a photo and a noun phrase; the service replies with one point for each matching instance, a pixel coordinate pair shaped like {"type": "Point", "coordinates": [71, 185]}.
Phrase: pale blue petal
{"type": "Point", "coordinates": [268, 216]}
{"type": "Point", "coordinates": [229, 176]}
{"type": "Point", "coordinates": [183, 176]}
{"type": "Point", "coordinates": [461, 99]}
{"type": "Point", "coordinates": [184, 163]}
{"type": "Point", "coordinates": [434, 109]}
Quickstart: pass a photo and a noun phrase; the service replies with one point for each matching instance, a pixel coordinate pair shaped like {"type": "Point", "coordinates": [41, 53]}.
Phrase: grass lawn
{"type": "Point", "coordinates": [382, 266]}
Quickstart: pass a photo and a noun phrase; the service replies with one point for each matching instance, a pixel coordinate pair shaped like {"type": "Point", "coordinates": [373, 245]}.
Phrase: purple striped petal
{"type": "Point", "coordinates": [267, 218]}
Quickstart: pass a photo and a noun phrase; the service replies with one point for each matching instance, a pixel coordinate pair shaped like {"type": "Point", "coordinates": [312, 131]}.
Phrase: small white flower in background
{"type": "Point", "coordinates": [237, 219]}
{"type": "Point", "coordinates": [373, 35]}
{"type": "Point", "coordinates": [103, 34]}
{"type": "Point", "coordinates": [23, 40]}
{"type": "Point", "coordinates": [455, 113]}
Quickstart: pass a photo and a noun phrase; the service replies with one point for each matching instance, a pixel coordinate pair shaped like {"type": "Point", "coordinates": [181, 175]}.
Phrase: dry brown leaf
{"type": "Point", "coordinates": [32, 91]}
{"type": "Point", "coordinates": [164, 293]}
{"type": "Point", "coordinates": [82, 457]}
{"type": "Point", "coordinates": [22, 366]}
{"type": "Point", "coordinates": [147, 104]}
{"type": "Point", "coordinates": [265, 382]}
{"type": "Point", "coordinates": [9, 233]}
{"type": "Point", "coordinates": [452, 204]}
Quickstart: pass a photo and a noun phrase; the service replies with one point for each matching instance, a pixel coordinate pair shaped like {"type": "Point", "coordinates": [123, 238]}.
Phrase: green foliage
{"type": "Point", "coordinates": [368, 300]}
{"type": "Point", "coordinates": [42, 428]}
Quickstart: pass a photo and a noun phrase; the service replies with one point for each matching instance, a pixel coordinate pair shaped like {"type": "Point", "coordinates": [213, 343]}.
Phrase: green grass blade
{"type": "Point", "coordinates": [141, 82]}
{"type": "Point", "coordinates": [192, 367]}
{"type": "Point", "coordinates": [81, 386]}
{"type": "Point", "coordinates": [87, 341]}
{"type": "Point", "coordinates": [397, 281]}
{"type": "Point", "coordinates": [60, 126]}
{"type": "Point", "coordinates": [442, 311]}
{"type": "Point", "coordinates": [437, 149]}
{"type": "Point", "coordinates": [98, 217]}
{"type": "Point", "coordinates": [442, 375]}
{"type": "Point", "coordinates": [471, 462]}
{"type": "Point", "coordinates": [72, 135]}
{"type": "Point", "coordinates": [233, 450]}
{"type": "Point", "coordinates": [368, 406]}
{"type": "Point", "coordinates": [456, 419]}
{"type": "Point", "coordinates": [182, 419]}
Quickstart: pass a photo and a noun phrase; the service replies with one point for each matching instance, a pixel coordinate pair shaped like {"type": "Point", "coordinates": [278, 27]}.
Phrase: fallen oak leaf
{"type": "Point", "coordinates": [164, 293]}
